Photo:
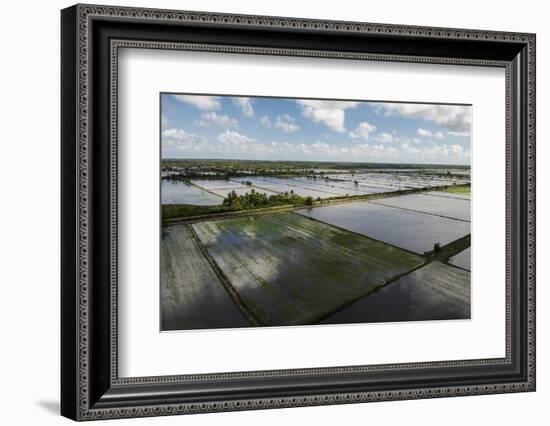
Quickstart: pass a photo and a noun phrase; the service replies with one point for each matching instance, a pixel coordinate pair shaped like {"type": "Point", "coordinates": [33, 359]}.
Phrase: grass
{"type": "Point", "coordinates": [289, 270]}
{"type": "Point", "coordinates": [173, 211]}
{"type": "Point", "coordinates": [458, 189]}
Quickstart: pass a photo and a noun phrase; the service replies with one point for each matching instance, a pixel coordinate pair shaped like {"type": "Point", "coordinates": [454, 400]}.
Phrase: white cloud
{"type": "Point", "coordinates": [246, 106]}
{"type": "Point", "coordinates": [430, 134]}
{"type": "Point", "coordinates": [179, 134]}
{"type": "Point", "coordinates": [459, 134]}
{"type": "Point", "coordinates": [265, 121]}
{"type": "Point", "coordinates": [213, 119]}
{"type": "Point", "coordinates": [286, 123]}
{"type": "Point", "coordinates": [329, 113]}
{"type": "Point", "coordinates": [456, 149]}
{"type": "Point", "coordinates": [455, 118]}
{"type": "Point", "coordinates": [384, 137]}
{"type": "Point", "coordinates": [199, 101]}
{"type": "Point", "coordinates": [362, 131]}
{"type": "Point", "coordinates": [176, 141]}
{"type": "Point", "coordinates": [230, 137]}
{"type": "Point", "coordinates": [231, 144]}
{"type": "Point", "coordinates": [406, 152]}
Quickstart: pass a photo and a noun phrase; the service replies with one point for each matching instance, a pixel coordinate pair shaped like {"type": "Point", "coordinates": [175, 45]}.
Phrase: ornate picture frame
{"type": "Point", "coordinates": [91, 37]}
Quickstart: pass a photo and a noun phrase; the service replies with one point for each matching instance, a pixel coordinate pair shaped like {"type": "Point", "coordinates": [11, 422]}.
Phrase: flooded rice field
{"type": "Point", "coordinates": [462, 259]}
{"type": "Point", "coordinates": [323, 186]}
{"type": "Point", "coordinates": [288, 269]}
{"type": "Point", "coordinates": [410, 230]}
{"type": "Point", "coordinates": [192, 296]}
{"type": "Point", "coordinates": [336, 187]}
{"type": "Point", "coordinates": [451, 207]}
{"type": "Point", "coordinates": [316, 186]}
{"type": "Point", "coordinates": [241, 190]}
{"type": "Point", "coordinates": [177, 192]}
{"type": "Point", "coordinates": [216, 184]}
{"type": "Point", "coordinates": [433, 292]}
{"type": "Point", "coordinates": [448, 195]}
{"type": "Point", "coordinates": [288, 185]}
{"type": "Point", "coordinates": [339, 261]}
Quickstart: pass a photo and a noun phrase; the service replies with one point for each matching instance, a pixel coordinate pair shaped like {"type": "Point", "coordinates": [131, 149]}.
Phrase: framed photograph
{"type": "Point", "coordinates": [263, 212]}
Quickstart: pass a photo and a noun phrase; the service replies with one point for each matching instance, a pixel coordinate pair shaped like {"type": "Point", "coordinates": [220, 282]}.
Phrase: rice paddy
{"type": "Point", "coordinates": [241, 190]}
{"type": "Point", "coordinates": [192, 296]}
{"type": "Point", "coordinates": [379, 256]}
{"type": "Point", "coordinates": [322, 187]}
{"type": "Point", "coordinates": [291, 270]}
{"type": "Point", "coordinates": [462, 259]}
{"type": "Point", "coordinates": [433, 292]}
{"type": "Point", "coordinates": [176, 192]}
{"type": "Point", "coordinates": [451, 207]}
{"type": "Point", "coordinates": [407, 229]}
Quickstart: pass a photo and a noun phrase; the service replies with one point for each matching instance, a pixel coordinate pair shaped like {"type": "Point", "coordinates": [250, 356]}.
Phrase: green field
{"type": "Point", "coordinates": [459, 189]}
{"type": "Point", "coordinates": [290, 270]}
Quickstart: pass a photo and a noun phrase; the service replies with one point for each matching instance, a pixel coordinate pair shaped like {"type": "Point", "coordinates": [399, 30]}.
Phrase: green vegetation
{"type": "Point", "coordinates": [458, 189]}
{"type": "Point", "coordinates": [254, 200]}
{"type": "Point", "coordinates": [174, 211]}
{"type": "Point", "coordinates": [234, 203]}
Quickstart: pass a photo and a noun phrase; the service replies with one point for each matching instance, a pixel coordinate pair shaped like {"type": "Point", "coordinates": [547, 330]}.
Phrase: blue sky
{"type": "Point", "coordinates": [200, 126]}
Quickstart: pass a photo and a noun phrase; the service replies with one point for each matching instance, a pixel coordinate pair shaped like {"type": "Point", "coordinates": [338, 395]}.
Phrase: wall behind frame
{"type": "Point", "coordinates": [29, 217]}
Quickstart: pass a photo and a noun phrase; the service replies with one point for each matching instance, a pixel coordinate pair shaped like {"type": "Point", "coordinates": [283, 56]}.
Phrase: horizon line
{"type": "Point", "coordinates": [310, 161]}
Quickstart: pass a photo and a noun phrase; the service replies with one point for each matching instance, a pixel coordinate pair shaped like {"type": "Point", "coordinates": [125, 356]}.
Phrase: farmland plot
{"type": "Point", "coordinates": [291, 270]}
{"type": "Point", "coordinates": [448, 195]}
{"type": "Point", "coordinates": [414, 231]}
{"type": "Point", "coordinates": [433, 292]}
{"type": "Point", "coordinates": [304, 187]}
{"type": "Point", "coordinates": [241, 191]}
{"type": "Point", "coordinates": [210, 184]}
{"type": "Point", "coordinates": [455, 208]}
{"type": "Point", "coordinates": [191, 295]}
{"type": "Point", "coordinates": [175, 192]}
{"type": "Point", "coordinates": [462, 259]}
{"type": "Point", "coordinates": [364, 186]}
{"type": "Point", "coordinates": [326, 186]}
{"type": "Point", "coordinates": [303, 190]}
{"type": "Point", "coordinates": [464, 191]}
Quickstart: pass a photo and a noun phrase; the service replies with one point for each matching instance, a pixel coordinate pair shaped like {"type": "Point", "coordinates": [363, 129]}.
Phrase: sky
{"type": "Point", "coordinates": [256, 128]}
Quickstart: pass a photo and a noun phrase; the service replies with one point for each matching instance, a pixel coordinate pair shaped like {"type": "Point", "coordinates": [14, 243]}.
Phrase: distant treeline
{"type": "Point", "coordinates": [261, 166]}
{"type": "Point", "coordinates": [224, 175]}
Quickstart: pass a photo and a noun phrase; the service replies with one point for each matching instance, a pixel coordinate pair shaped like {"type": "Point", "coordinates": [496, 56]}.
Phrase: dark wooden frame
{"type": "Point", "coordinates": [90, 386]}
